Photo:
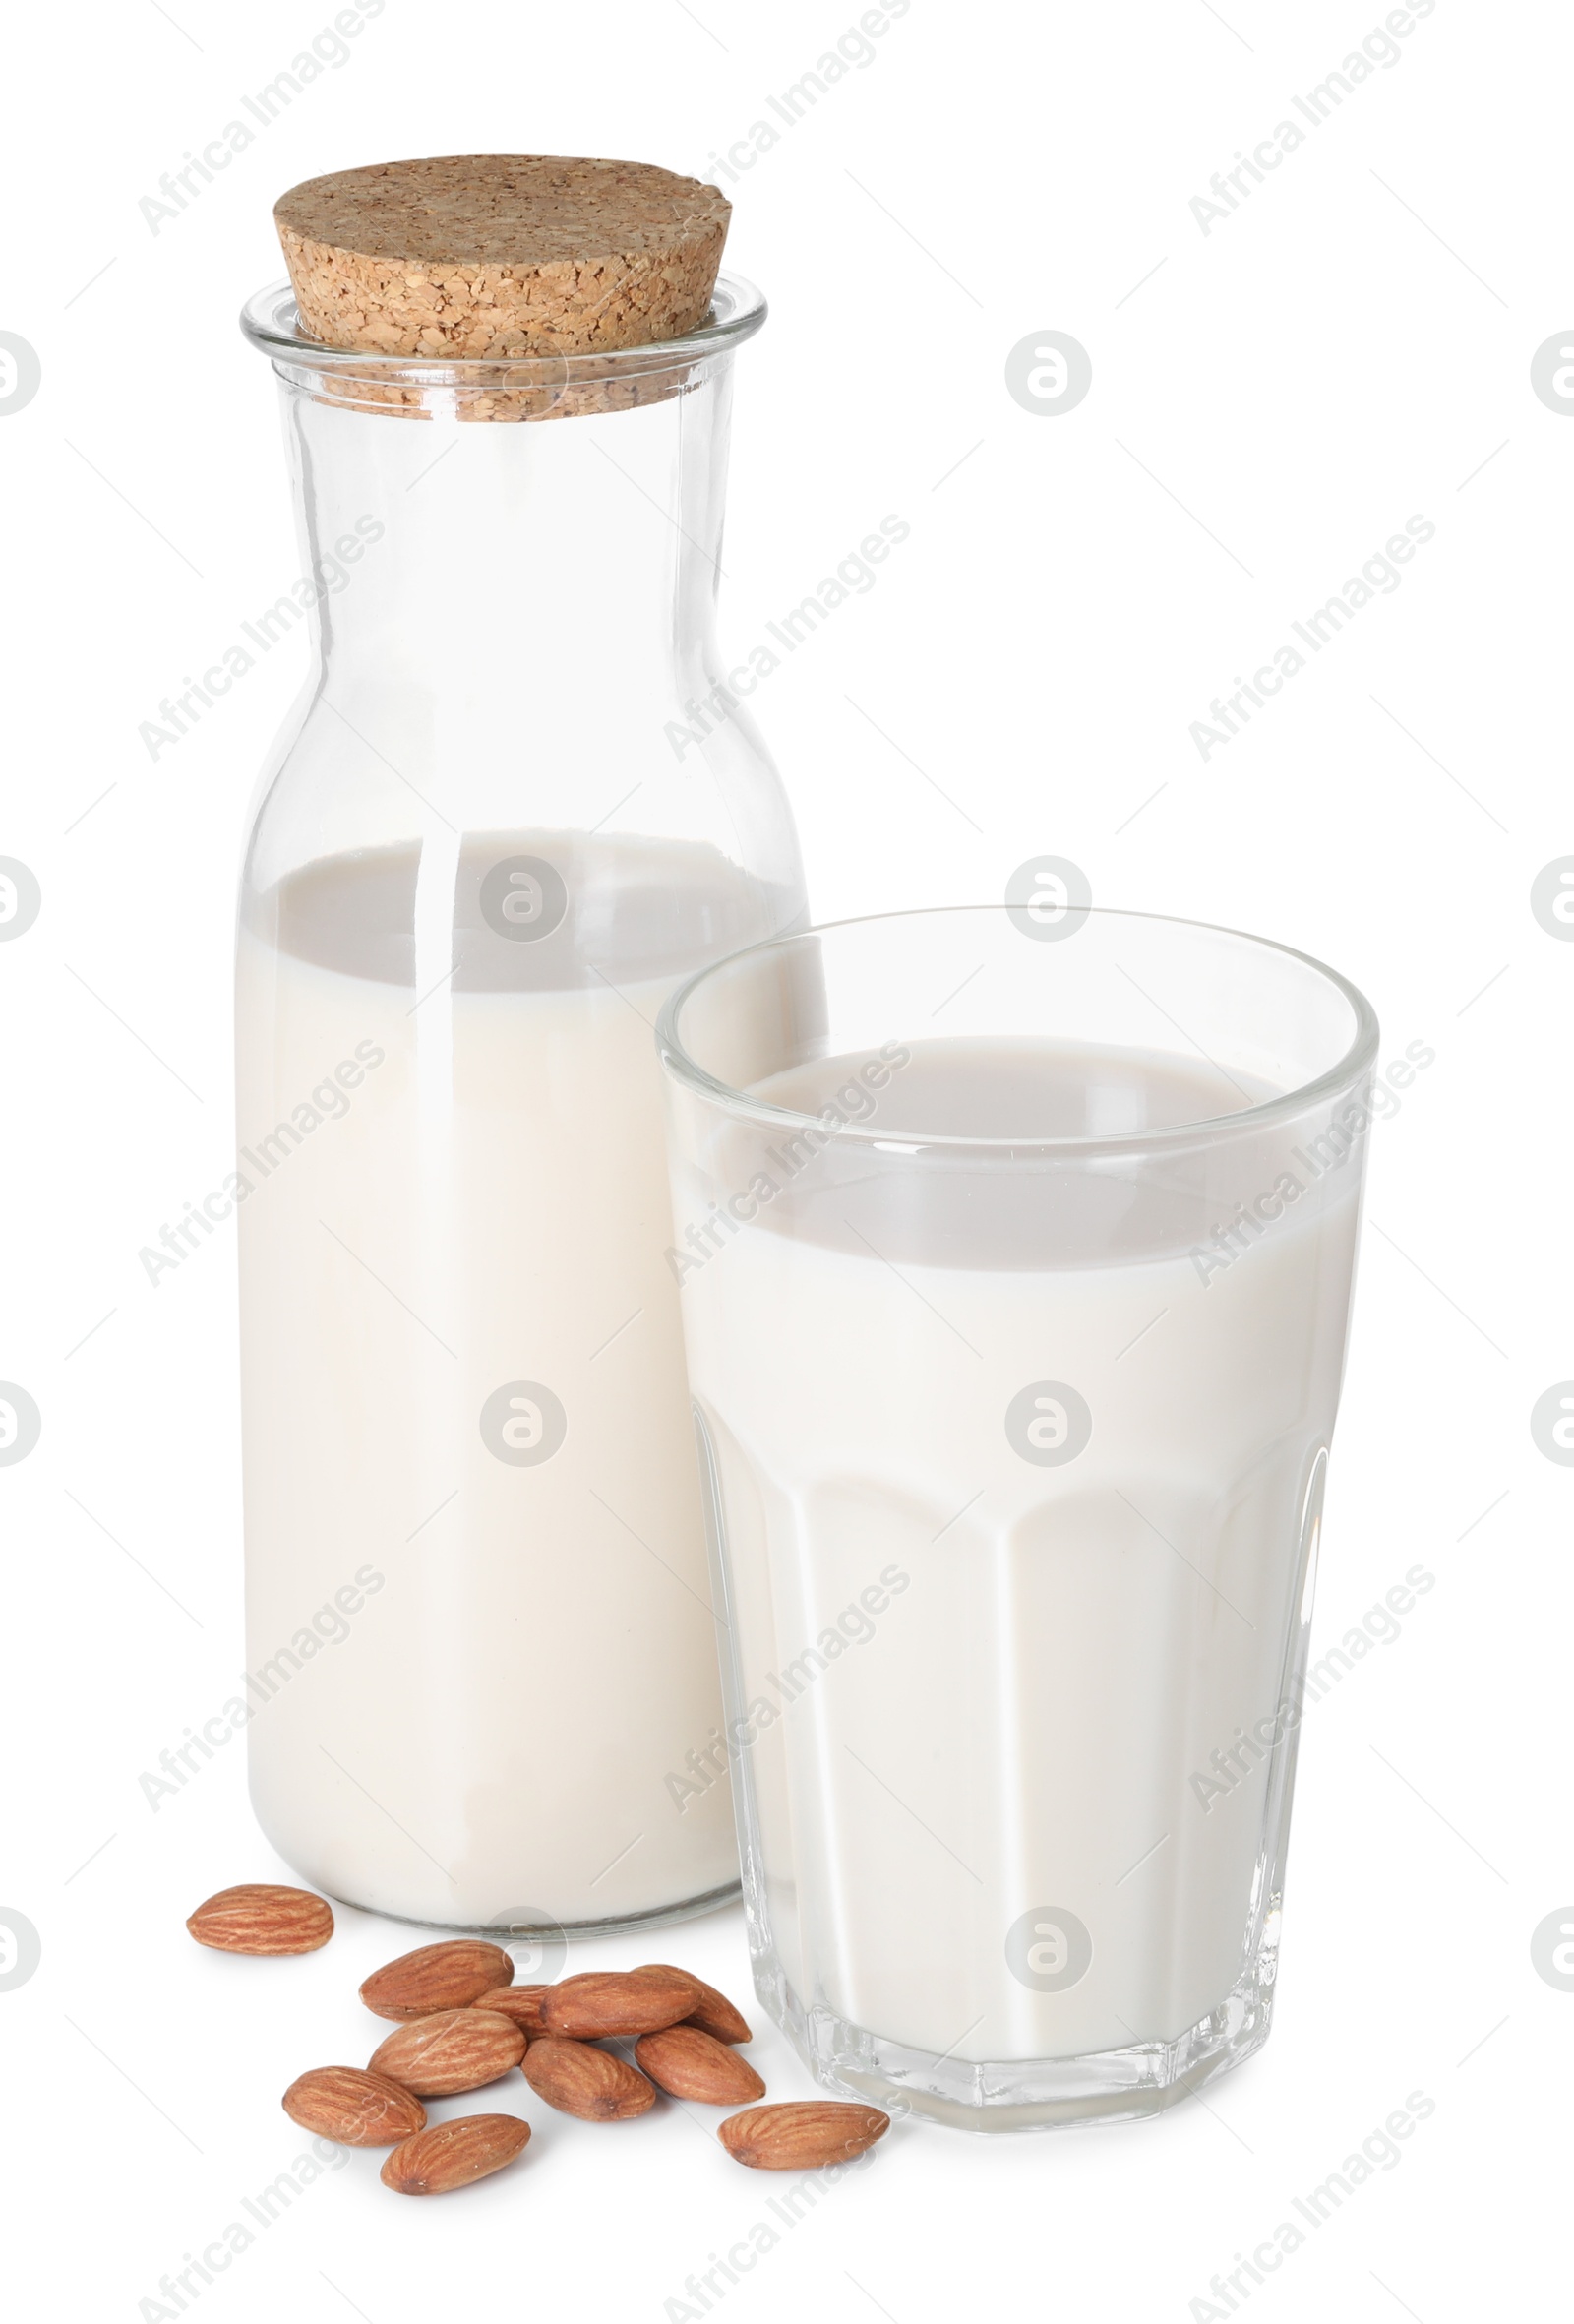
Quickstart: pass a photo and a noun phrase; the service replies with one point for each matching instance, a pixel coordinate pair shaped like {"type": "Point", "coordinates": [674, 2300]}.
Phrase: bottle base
{"type": "Point", "coordinates": [1127, 2085]}
{"type": "Point", "coordinates": [538, 1933]}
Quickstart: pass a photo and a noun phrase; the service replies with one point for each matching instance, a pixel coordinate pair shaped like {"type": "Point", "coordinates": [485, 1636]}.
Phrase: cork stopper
{"type": "Point", "coordinates": [493, 256]}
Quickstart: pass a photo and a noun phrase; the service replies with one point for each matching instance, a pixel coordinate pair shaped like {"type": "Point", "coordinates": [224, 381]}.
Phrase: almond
{"type": "Point", "coordinates": [693, 2065]}
{"type": "Point", "coordinates": [454, 2154]}
{"type": "Point", "coordinates": [355, 2109]}
{"type": "Point", "coordinates": [455, 2049]}
{"type": "Point", "coordinates": [259, 1918]}
{"type": "Point", "coordinates": [579, 2079]}
{"type": "Point", "coordinates": [715, 2014]}
{"type": "Point", "coordinates": [520, 2004]}
{"type": "Point", "coordinates": [437, 1976]}
{"type": "Point", "coordinates": [803, 2135]}
{"type": "Point", "coordinates": [603, 2001]}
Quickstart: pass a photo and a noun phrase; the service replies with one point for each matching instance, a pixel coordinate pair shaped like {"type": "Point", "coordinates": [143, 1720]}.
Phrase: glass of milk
{"type": "Point", "coordinates": [520, 799]}
{"type": "Point", "coordinates": [1014, 1249]}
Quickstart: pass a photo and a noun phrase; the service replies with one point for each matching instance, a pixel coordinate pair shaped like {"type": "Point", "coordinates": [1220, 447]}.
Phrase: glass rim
{"type": "Point", "coordinates": [271, 322]}
{"type": "Point", "coordinates": [1356, 1057]}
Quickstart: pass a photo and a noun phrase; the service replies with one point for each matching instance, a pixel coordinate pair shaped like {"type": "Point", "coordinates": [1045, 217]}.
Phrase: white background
{"type": "Point", "coordinates": [1350, 347]}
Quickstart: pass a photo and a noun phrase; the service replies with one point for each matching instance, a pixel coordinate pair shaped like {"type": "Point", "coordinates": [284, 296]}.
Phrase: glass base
{"type": "Point", "coordinates": [1021, 2093]}
{"type": "Point", "coordinates": [689, 1908]}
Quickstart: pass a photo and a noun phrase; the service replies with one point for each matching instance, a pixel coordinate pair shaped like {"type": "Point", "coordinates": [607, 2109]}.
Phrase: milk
{"type": "Point", "coordinates": [457, 1262]}
{"type": "Point", "coordinates": [982, 1689]}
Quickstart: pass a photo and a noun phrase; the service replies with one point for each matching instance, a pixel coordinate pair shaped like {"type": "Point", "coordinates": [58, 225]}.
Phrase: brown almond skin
{"type": "Point", "coordinates": [803, 2135]}
{"type": "Point", "coordinates": [454, 2154]}
{"type": "Point", "coordinates": [612, 2001]}
{"type": "Point", "coordinates": [521, 2003]}
{"type": "Point", "coordinates": [715, 2014]}
{"type": "Point", "coordinates": [455, 2049]}
{"type": "Point", "coordinates": [261, 1917]}
{"type": "Point", "coordinates": [579, 2079]}
{"type": "Point", "coordinates": [355, 2109]}
{"type": "Point", "coordinates": [450, 1976]}
{"type": "Point", "coordinates": [693, 2065]}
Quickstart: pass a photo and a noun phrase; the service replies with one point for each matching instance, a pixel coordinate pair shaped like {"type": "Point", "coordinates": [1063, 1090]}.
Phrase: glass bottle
{"type": "Point", "coordinates": [517, 802]}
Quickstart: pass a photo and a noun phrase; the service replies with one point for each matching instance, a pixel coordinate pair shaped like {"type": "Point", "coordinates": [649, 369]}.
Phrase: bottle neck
{"type": "Point", "coordinates": [523, 578]}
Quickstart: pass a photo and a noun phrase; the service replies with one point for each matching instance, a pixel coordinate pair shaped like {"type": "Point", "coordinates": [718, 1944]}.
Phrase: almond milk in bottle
{"type": "Point", "coordinates": [515, 804]}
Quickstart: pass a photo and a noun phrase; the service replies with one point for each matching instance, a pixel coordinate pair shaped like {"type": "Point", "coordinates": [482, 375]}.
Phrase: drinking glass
{"type": "Point", "coordinates": [1015, 1248]}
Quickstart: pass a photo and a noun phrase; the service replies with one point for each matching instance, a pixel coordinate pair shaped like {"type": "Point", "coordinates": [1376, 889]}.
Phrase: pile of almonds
{"type": "Point", "coordinates": [460, 2022]}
